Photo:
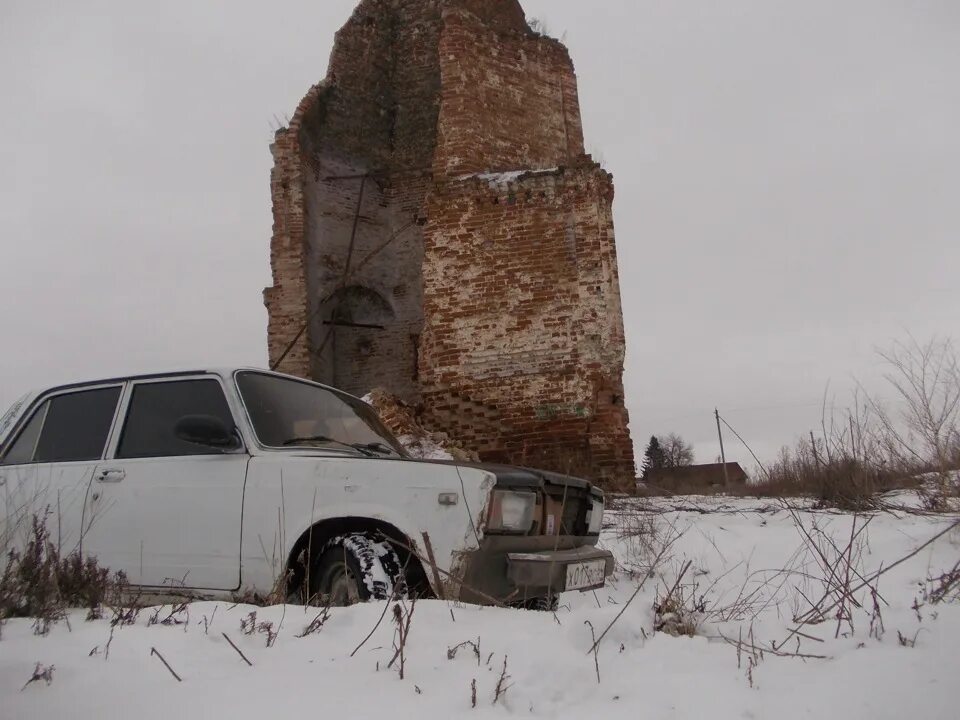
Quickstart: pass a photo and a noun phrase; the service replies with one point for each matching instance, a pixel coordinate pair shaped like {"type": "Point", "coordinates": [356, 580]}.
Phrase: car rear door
{"type": "Point", "coordinates": [48, 462]}
{"type": "Point", "coordinates": [168, 512]}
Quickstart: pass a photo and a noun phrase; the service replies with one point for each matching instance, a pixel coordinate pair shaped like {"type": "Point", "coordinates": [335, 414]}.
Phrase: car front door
{"type": "Point", "coordinates": [168, 512]}
{"type": "Point", "coordinates": [48, 462]}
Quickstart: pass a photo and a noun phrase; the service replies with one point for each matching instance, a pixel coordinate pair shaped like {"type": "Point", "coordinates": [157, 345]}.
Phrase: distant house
{"type": "Point", "coordinates": [694, 477]}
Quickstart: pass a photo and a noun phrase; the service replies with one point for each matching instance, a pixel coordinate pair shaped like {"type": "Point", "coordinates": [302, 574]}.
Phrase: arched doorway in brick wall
{"type": "Point", "coordinates": [358, 342]}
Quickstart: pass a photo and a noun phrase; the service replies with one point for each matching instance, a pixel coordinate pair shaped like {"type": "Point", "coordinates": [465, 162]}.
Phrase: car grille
{"type": "Point", "coordinates": [572, 509]}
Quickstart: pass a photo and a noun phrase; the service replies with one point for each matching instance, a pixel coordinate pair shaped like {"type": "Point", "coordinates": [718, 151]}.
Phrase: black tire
{"type": "Point", "coordinates": [355, 568]}
{"type": "Point", "coordinates": [541, 604]}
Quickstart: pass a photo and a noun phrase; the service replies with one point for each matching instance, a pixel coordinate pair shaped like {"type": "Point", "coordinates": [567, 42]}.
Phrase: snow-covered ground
{"type": "Point", "coordinates": [738, 552]}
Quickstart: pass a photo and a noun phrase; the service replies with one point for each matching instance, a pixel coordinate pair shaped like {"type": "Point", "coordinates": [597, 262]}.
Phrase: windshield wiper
{"type": "Point", "coordinates": [377, 447]}
{"type": "Point", "coordinates": [363, 450]}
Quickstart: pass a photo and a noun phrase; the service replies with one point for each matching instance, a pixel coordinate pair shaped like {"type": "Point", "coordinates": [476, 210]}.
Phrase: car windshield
{"type": "Point", "coordinates": [291, 413]}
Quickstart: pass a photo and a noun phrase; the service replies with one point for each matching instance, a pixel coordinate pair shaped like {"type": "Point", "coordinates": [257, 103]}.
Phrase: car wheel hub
{"type": "Point", "coordinates": [340, 586]}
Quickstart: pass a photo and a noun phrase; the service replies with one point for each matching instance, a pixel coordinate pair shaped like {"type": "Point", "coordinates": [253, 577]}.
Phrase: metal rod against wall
{"type": "Point", "coordinates": [340, 323]}
{"type": "Point", "coordinates": [385, 174]}
{"type": "Point", "coordinates": [340, 286]}
{"type": "Point", "coordinates": [346, 270]}
{"type": "Point", "coordinates": [353, 232]}
{"type": "Point", "coordinates": [345, 177]}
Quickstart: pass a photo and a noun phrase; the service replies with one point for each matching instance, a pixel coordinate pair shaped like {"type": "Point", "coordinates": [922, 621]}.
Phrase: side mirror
{"type": "Point", "coordinates": [206, 430]}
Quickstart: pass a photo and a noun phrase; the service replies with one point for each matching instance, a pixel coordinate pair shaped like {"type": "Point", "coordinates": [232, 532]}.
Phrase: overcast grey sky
{"type": "Point", "coordinates": [788, 188]}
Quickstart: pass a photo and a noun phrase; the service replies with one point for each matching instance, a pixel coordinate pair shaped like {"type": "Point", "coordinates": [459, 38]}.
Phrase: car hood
{"type": "Point", "coordinates": [507, 475]}
{"type": "Point", "coordinates": [522, 477]}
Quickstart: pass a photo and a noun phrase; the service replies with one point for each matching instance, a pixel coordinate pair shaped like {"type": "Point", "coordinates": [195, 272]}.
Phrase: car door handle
{"type": "Point", "coordinates": [114, 475]}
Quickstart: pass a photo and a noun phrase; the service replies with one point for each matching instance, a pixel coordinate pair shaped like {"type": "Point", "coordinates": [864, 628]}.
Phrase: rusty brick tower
{"type": "Point", "coordinates": [440, 233]}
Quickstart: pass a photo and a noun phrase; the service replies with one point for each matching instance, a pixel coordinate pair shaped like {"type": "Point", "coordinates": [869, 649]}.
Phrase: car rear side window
{"type": "Point", "coordinates": [155, 409]}
{"type": "Point", "coordinates": [67, 428]}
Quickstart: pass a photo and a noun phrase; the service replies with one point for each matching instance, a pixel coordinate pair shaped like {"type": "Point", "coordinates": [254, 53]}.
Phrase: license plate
{"type": "Point", "coordinates": [586, 574]}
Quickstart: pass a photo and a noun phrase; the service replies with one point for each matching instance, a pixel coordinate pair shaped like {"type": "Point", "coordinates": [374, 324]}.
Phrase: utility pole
{"type": "Point", "coordinates": [723, 456]}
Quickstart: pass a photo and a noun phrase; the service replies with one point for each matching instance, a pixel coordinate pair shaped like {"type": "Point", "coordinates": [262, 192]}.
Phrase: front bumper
{"type": "Point", "coordinates": [549, 569]}
{"type": "Point", "coordinates": [515, 570]}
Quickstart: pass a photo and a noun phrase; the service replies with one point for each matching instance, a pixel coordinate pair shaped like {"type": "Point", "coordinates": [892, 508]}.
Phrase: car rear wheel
{"type": "Point", "coordinates": [355, 568]}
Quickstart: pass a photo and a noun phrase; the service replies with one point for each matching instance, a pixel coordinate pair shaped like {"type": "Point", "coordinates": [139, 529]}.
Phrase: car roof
{"type": "Point", "coordinates": [139, 376]}
{"type": "Point", "coordinates": [163, 375]}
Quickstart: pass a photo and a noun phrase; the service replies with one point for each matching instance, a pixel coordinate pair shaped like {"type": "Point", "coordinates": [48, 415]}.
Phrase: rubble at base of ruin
{"type": "Point", "coordinates": [440, 233]}
{"type": "Point", "coordinates": [401, 419]}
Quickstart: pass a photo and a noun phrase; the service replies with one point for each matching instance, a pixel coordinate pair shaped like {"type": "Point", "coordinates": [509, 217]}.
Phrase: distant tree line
{"type": "Point", "coordinates": [664, 452]}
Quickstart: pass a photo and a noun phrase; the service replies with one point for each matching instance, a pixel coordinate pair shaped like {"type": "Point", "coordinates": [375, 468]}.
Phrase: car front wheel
{"type": "Point", "coordinates": [355, 568]}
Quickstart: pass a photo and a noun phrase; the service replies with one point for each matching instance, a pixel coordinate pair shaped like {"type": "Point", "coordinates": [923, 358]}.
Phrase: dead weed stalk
{"type": "Point", "coordinates": [402, 617]}
{"type": "Point", "coordinates": [40, 672]}
{"type": "Point", "coordinates": [503, 683]}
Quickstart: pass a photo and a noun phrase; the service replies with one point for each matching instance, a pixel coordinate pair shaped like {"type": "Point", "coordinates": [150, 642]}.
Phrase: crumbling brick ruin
{"type": "Point", "coordinates": [440, 233]}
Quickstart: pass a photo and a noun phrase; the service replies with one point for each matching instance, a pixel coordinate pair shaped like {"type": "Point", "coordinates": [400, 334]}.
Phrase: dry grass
{"type": "Point", "coordinates": [38, 583]}
{"type": "Point", "coordinates": [680, 612]}
{"type": "Point", "coordinates": [846, 482]}
{"type": "Point", "coordinates": [867, 449]}
{"type": "Point", "coordinates": [945, 587]}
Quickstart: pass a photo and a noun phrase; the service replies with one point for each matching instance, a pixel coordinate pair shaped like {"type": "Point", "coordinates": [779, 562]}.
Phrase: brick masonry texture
{"type": "Point", "coordinates": [439, 233]}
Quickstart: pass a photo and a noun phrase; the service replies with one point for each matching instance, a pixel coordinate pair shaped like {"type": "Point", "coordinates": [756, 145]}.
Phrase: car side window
{"type": "Point", "coordinates": [23, 448]}
{"type": "Point", "coordinates": [155, 409]}
{"type": "Point", "coordinates": [67, 428]}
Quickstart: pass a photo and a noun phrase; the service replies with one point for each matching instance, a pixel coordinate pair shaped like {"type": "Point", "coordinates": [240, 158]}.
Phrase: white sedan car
{"type": "Point", "coordinates": [218, 482]}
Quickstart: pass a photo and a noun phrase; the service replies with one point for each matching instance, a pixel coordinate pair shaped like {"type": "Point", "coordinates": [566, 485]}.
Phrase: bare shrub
{"type": "Point", "coordinates": [474, 647]}
{"type": "Point", "coordinates": [40, 672]}
{"type": "Point", "coordinates": [178, 614]}
{"type": "Point", "coordinates": [124, 605]}
{"type": "Point", "coordinates": [843, 482]}
{"type": "Point", "coordinates": [644, 534]}
{"type": "Point", "coordinates": [926, 431]}
{"type": "Point", "coordinates": [316, 625]}
{"type": "Point", "coordinates": [687, 607]}
{"type": "Point", "coordinates": [678, 614]}
{"type": "Point", "coordinates": [846, 466]}
{"type": "Point", "coordinates": [868, 449]}
{"type": "Point", "coordinates": [28, 587]}
{"type": "Point", "coordinates": [945, 587]}
{"type": "Point", "coordinates": [830, 595]}
{"type": "Point", "coordinates": [83, 583]}
{"type": "Point", "coordinates": [249, 626]}
{"type": "Point", "coordinates": [655, 550]}
{"type": "Point", "coordinates": [38, 583]}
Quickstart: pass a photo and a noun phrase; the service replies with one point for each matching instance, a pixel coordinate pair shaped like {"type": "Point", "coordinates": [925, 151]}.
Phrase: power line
{"type": "Point", "coordinates": [759, 464]}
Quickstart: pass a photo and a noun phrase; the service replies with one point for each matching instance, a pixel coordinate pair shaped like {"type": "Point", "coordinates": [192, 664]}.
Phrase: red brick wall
{"type": "Point", "coordinates": [287, 302]}
{"type": "Point", "coordinates": [497, 287]}
{"type": "Point", "coordinates": [522, 351]}
{"type": "Point", "coordinates": [508, 100]}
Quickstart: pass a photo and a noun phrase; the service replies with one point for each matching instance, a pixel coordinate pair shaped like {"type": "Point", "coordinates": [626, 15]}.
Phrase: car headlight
{"type": "Point", "coordinates": [596, 517]}
{"type": "Point", "coordinates": [511, 512]}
